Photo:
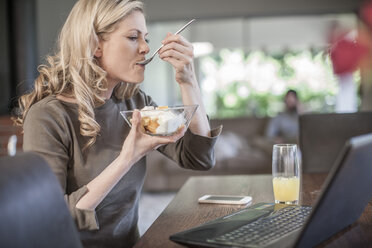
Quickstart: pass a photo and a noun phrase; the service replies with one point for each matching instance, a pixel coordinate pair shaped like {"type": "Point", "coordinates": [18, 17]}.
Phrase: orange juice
{"type": "Point", "coordinates": [286, 189]}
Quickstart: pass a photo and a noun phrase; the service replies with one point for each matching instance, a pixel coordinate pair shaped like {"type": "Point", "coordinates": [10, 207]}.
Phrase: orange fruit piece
{"type": "Point", "coordinates": [162, 107]}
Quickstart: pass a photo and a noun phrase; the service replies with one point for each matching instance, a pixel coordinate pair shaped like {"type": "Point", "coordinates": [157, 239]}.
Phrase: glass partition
{"type": "Point", "coordinates": [245, 65]}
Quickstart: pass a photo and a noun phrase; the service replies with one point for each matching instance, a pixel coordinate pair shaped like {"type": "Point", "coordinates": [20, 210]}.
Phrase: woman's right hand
{"type": "Point", "coordinates": [138, 143]}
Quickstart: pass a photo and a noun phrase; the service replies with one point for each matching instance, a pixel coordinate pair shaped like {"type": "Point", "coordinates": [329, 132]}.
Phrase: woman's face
{"type": "Point", "coordinates": [119, 53]}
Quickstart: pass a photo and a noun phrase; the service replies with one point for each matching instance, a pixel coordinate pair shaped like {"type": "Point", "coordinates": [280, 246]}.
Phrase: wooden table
{"type": "Point", "coordinates": [184, 212]}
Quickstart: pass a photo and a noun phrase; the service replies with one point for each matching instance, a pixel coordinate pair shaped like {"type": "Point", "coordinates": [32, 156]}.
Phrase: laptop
{"type": "Point", "coordinates": [322, 136]}
{"type": "Point", "coordinates": [345, 193]}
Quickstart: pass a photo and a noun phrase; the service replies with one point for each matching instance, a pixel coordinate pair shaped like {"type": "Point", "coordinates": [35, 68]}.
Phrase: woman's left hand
{"type": "Point", "coordinates": [180, 54]}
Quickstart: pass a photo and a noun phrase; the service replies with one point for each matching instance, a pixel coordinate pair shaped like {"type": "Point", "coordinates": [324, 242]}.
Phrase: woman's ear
{"type": "Point", "coordinates": [98, 52]}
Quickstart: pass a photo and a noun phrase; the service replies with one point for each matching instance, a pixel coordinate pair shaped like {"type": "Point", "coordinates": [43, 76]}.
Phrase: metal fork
{"type": "Point", "coordinates": [145, 62]}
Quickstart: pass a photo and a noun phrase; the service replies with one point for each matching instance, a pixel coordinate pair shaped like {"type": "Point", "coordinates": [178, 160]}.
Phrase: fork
{"type": "Point", "coordinates": [146, 61]}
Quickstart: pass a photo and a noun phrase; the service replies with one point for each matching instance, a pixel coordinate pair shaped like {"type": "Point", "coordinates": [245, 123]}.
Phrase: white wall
{"type": "Point", "coordinates": [271, 33]}
{"type": "Point", "coordinates": [165, 10]}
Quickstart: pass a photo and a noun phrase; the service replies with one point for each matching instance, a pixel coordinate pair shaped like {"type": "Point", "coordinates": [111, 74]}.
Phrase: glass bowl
{"type": "Point", "coordinates": [163, 121]}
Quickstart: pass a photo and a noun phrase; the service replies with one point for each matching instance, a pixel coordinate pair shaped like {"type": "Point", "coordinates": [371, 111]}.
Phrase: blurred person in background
{"type": "Point", "coordinates": [283, 128]}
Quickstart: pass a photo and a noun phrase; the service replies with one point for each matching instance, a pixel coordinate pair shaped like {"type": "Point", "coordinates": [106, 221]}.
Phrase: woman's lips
{"type": "Point", "coordinates": [139, 61]}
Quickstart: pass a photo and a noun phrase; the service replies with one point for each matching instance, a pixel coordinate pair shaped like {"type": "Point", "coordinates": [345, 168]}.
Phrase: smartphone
{"type": "Point", "coordinates": [225, 199]}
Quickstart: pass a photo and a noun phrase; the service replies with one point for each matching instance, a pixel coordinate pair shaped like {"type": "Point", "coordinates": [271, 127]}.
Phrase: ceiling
{"type": "Point", "coordinates": [166, 10]}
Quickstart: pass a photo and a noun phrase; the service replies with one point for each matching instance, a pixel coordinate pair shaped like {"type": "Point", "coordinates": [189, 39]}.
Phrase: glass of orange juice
{"type": "Point", "coordinates": [286, 173]}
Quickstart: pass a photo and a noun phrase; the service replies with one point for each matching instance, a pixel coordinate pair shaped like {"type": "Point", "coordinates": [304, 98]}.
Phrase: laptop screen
{"type": "Point", "coordinates": [345, 194]}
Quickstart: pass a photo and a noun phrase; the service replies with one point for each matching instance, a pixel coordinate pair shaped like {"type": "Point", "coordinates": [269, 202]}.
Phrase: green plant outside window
{"type": "Point", "coordinates": [238, 84]}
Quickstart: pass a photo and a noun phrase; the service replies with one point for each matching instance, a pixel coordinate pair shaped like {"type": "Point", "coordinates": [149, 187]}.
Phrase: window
{"type": "Point", "coordinates": [253, 62]}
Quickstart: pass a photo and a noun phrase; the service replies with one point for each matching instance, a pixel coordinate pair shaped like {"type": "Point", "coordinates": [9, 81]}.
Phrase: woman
{"type": "Point", "coordinates": [72, 119]}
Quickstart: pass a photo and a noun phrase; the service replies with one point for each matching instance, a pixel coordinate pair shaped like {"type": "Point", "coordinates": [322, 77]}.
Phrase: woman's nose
{"type": "Point", "coordinates": [144, 48]}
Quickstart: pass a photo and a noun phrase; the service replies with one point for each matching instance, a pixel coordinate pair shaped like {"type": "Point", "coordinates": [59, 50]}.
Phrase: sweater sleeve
{"type": "Point", "coordinates": [193, 151]}
{"type": "Point", "coordinates": [46, 133]}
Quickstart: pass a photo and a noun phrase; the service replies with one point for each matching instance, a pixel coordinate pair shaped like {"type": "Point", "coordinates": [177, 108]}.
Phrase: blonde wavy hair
{"type": "Point", "coordinates": [73, 71]}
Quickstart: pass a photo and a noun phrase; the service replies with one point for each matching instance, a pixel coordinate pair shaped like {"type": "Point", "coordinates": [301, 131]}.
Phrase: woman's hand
{"type": "Point", "coordinates": [138, 143]}
{"type": "Point", "coordinates": [180, 54]}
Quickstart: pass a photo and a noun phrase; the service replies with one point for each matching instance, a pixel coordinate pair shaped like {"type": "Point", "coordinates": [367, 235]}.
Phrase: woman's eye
{"type": "Point", "coordinates": [135, 38]}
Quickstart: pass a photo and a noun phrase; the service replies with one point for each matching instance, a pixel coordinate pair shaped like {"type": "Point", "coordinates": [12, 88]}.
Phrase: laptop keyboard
{"type": "Point", "coordinates": [264, 230]}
